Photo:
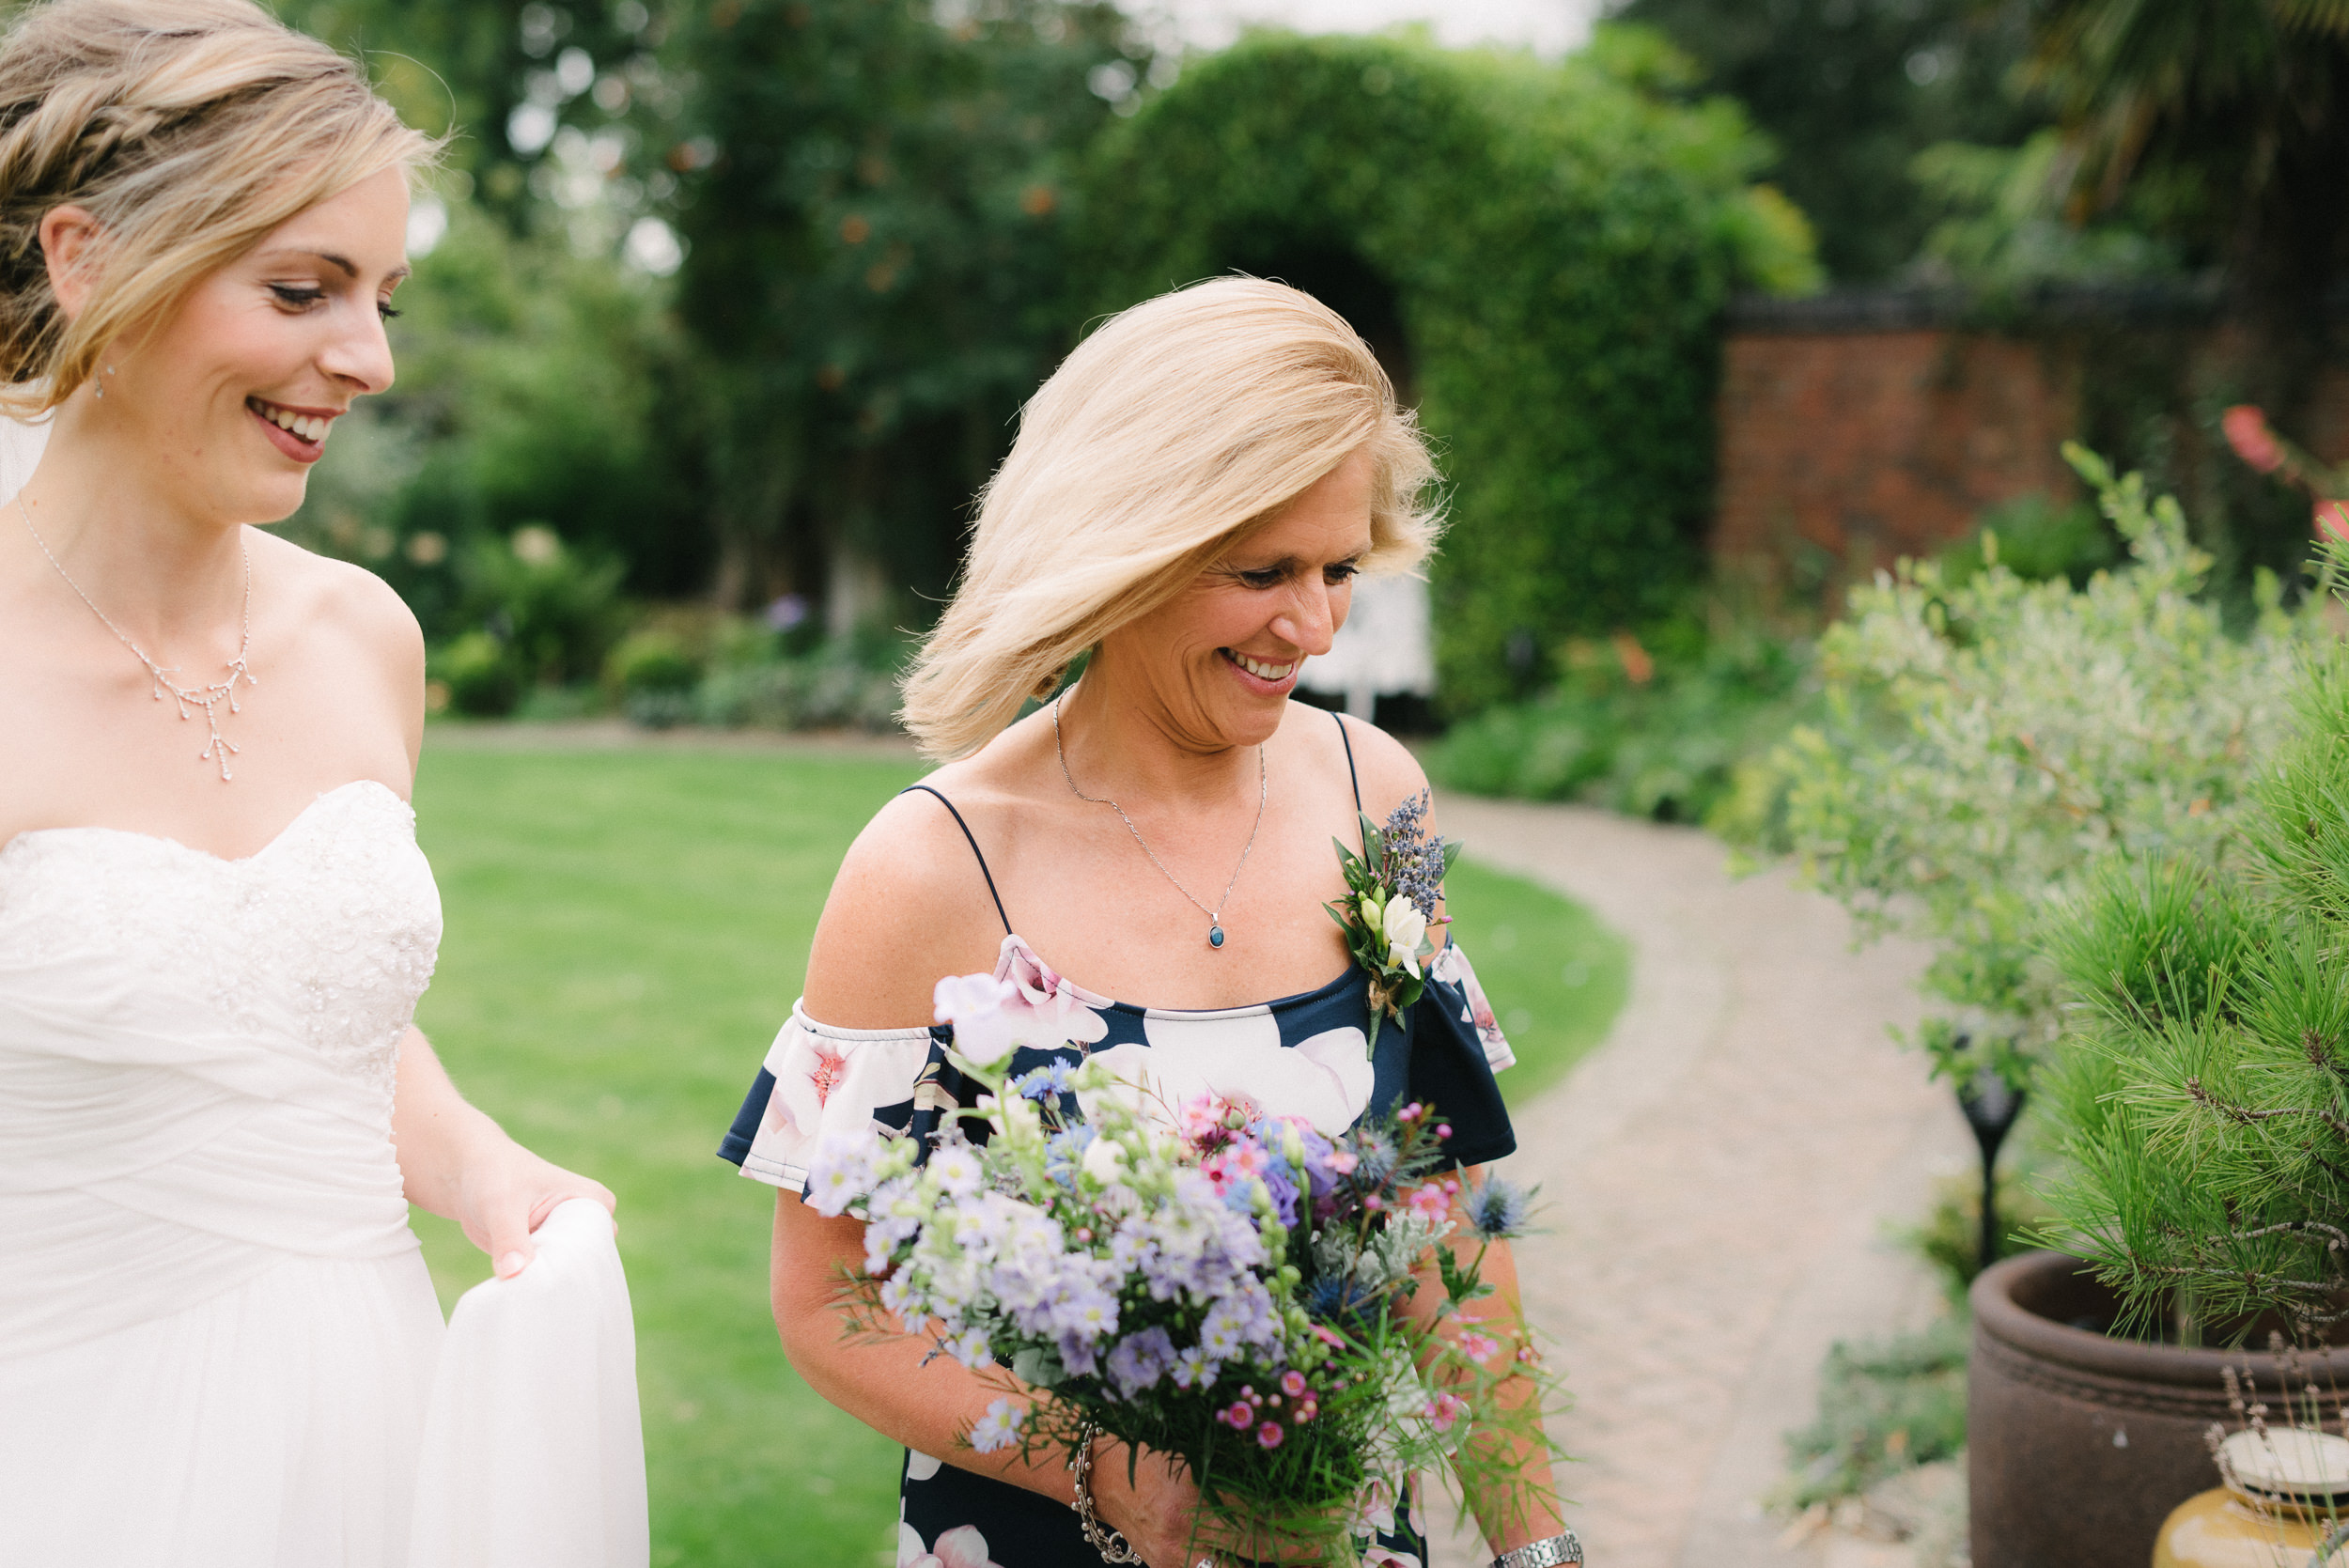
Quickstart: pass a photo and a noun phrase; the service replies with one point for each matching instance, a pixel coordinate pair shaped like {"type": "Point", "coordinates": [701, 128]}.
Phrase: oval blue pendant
{"type": "Point", "coordinates": [1215, 936]}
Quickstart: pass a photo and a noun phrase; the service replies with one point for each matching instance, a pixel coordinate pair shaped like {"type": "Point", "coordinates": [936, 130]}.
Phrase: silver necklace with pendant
{"type": "Point", "coordinates": [209, 698]}
{"type": "Point", "coordinates": [1215, 916]}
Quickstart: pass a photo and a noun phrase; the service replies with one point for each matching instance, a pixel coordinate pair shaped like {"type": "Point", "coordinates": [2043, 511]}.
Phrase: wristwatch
{"type": "Point", "coordinates": [1562, 1548]}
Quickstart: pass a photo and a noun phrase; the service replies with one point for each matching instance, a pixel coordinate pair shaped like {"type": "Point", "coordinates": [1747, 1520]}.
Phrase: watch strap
{"type": "Point", "coordinates": [1562, 1548]}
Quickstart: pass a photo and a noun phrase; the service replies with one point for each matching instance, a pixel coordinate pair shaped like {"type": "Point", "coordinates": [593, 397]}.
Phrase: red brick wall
{"type": "Point", "coordinates": [1872, 445]}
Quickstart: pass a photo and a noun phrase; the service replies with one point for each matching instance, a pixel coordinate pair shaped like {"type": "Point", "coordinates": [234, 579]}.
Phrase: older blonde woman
{"type": "Point", "coordinates": [217, 1336]}
{"type": "Point", "coordinates": [1188, 503]}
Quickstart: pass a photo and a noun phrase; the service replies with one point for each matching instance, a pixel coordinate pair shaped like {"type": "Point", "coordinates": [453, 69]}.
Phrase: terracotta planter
{"type": "Point", "coordinates": [2079, 1445]}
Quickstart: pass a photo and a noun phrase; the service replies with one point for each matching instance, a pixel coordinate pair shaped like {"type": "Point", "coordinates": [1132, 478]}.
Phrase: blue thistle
{"type": "Point", "coordinates": [1498, 1209]}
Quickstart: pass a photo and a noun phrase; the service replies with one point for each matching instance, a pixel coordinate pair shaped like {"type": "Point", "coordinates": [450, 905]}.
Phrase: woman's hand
{"type": "Point", "coordinates": [505, 1192]}
{"type": "Point", "coordinates": [459, 1164]}
{"type": "Point", "coordinates": [1157, 1512]}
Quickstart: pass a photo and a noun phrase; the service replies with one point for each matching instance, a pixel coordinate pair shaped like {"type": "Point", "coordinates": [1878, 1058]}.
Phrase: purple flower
{"type": "Point", "coordinates": [999, 1429]}
{"type": "Point", "coordinates": [1195, 1368]}
{"type": "Point", "coordinates": [1140, 1360]}
{"type": "Point", "coordinates": [1076, 1354]}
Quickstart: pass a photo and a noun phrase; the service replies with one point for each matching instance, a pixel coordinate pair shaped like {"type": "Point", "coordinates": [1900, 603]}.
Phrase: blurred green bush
{"type": "Point", "coordinates": [1654, 728]}
{"type": "Point", "coordinates": [1884, 1406]}
{"type": "Point", "coordinates": [1551, 246]}
{"type": "Point", "coordinates": [2039, 539]}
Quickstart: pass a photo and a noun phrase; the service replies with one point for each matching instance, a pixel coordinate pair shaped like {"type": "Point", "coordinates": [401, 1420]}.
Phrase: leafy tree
{"type": "Point", "coordinates": [466, 68]}
{"type": "Point", "coordinates": [2231, 119]}
{"type": "Point", "coordinates": [873, 208]}
{"type": "Point", "coordinates": [1852, 91]}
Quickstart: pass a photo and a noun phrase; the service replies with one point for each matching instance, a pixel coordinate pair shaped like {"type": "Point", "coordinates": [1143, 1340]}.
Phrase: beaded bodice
{"type": "Point", "coordinates": [323, 940]}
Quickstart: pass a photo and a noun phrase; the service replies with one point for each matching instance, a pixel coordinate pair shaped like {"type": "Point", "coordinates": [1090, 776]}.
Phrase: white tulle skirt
{"type": "Point", "coordinates": [276, 1425]}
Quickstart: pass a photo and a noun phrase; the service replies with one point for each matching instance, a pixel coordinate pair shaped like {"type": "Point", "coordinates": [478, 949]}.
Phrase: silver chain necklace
{"type": "Point", "coordinates": [209, 698]}
{"type": "Point", "coordinates": [1215, 916]}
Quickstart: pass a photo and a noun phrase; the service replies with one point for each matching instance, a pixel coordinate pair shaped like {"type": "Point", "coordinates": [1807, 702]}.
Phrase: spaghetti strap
{"type": "Point", "coordinates": [1357, 777]}
{"type": "Point", "coordinates": [973, 840]}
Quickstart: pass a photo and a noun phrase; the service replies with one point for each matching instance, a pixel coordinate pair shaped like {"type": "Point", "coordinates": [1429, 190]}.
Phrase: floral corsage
{"type": "Point", "coordinates": [1391, 905]}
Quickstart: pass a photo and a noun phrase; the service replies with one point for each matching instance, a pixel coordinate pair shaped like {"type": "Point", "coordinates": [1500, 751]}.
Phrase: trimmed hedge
{"type": "Point", "coordinates": [1559, 241]}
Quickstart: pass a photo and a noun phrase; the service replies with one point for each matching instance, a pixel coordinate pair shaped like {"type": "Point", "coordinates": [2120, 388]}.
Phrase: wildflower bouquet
{"type": "Point", "coordinates": [1389, 906]}
{"type": "Point", "coordinates": [1225, 1288]}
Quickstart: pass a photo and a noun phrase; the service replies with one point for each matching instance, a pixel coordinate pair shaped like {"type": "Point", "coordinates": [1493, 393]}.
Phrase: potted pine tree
{"type": "Point", "coordinates": [2201, 1103]}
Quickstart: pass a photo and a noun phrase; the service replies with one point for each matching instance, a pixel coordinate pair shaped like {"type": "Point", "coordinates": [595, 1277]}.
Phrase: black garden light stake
{"type": "Point", "coordinates": [1991, 1105]}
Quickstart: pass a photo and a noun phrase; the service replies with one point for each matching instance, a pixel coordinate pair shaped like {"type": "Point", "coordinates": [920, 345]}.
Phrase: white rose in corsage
{"type": "Point", "coordinates": [1391, 903]}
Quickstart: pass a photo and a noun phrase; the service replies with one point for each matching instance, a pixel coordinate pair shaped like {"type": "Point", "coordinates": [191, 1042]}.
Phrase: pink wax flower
{"type": "Point", "coordinates": [1269, 1435]}
{"type": "Point", "coordinates": [2246, 431]}
{"type": "Point", "coordinates": [1292, 1383]}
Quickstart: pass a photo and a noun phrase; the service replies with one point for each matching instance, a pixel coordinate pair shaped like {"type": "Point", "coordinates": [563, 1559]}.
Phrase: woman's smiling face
{"type": "Point", "coordinates": [1222, 655]}
{"type": "Point", "coordinates": [236, 394]}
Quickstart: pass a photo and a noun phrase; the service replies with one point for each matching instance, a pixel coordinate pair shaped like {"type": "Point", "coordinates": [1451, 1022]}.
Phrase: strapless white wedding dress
{"type": "Point", "coordinates": [217, 1336]}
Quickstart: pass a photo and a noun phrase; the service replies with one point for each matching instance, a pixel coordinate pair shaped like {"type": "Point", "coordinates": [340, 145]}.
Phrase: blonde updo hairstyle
{"type": "Point", "coordinates": [189, 128]}
{"type": "Point", "coordinates": [1178, 429]}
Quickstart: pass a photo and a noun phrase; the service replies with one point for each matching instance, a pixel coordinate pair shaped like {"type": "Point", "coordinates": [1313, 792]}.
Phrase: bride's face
{"type": "Point", "coordinates": [287, 335]}
{"type": "Point", "coordinates": [1222, 655]}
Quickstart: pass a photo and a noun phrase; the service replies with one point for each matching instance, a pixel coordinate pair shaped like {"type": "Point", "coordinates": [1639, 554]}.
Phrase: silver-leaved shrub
{"type": "Point", "coordinates": [1990, 741]}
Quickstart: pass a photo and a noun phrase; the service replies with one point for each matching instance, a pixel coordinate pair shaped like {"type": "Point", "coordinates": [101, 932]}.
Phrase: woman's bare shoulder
{"type": "Point", "coordinates": [908, 906]}
{"type": "Point", "coordinates": [349, 600]}
{"type": "Point", "coordinates": [1388, 772]}
{"type": "Point", "coordinates": [353, 621]}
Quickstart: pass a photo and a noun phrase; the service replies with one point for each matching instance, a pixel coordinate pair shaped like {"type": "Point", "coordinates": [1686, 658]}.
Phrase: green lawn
{"type": "Point", "coordinates": [626, 931]}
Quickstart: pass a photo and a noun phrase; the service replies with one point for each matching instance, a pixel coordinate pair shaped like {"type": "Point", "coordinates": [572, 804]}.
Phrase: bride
{"type": "Point", "coordinates": [216, 1332]}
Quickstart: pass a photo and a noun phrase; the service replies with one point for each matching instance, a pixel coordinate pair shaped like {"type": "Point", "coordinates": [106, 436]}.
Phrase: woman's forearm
{"type": "Point", "coordinates": [436, 1134]}
{"type": "Point", "coordinates": [1504, 1463]}
{"type": "Point", "coordinates": [459, 1163]}
{"type": "Point", "coordinates": [890, 1382]}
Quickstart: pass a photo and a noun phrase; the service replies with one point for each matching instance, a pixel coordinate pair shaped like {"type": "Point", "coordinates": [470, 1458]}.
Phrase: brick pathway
{"type": "Point", "coordinates": [1718, 1179]}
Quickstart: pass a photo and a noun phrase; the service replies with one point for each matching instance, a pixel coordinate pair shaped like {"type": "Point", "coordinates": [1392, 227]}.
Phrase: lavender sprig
{"type": "Point", "coordinates": [1392, 889]}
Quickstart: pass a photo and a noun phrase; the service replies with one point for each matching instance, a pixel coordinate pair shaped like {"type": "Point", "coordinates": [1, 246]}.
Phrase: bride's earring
{"type": "Point", "coordinates": [100, 390]}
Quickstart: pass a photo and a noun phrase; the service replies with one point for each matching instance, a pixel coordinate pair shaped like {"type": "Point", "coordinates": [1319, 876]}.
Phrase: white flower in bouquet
{"type": "Point", "coordinates": [1105, 1161]}
{"type": "Point", "coordinates": [974, 1003]}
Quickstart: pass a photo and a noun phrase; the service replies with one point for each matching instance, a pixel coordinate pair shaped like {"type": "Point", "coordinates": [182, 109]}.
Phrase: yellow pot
{"type": "Point", "coordinates": [2220, 1528]}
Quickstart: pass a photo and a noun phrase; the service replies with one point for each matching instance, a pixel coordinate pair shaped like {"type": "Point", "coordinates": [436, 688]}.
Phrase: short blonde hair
{"type": "Point", "coordinates": [190, 129]}
{"type": "Point", "coordinates": [1179, 427]}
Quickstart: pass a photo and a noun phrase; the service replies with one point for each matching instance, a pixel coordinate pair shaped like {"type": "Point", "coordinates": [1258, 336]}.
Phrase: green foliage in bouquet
{"type": "Point", "coordinates": [1989, 741]}
{"type": "Point", "coordinates": [1233, 1291]}
{"type": "Point", "coordinates": [2204, 1111]}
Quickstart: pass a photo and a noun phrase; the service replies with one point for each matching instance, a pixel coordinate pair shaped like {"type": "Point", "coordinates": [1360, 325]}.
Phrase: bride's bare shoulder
{"type": "Point", "coordinates": [352, 622]}
{"type": "Point", "coordinates": [348, 605]}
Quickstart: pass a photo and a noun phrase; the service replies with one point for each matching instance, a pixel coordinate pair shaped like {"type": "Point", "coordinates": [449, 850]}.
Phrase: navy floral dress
{"type": "Point", "coordinates": [1306, 1056]}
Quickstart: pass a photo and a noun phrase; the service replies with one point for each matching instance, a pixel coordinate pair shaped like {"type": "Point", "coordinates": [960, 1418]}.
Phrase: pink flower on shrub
{"type": "Point", "coordinates": [1269, 1435]}
{"type": "Point", "coordinates": [2332, 520]}
{"type": "Point", "coordinates": [2246, 431]}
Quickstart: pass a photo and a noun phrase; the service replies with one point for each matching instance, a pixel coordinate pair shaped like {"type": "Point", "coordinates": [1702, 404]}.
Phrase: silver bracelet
{"type": "Point", "coordinates": [1108, 1543]}
{"type": "Point", "coordinates": [1565, 1547]}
